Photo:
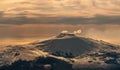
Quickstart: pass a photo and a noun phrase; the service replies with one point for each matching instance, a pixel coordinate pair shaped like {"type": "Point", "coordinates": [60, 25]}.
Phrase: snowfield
{"type": "Point", "coordinates": [66, 51]}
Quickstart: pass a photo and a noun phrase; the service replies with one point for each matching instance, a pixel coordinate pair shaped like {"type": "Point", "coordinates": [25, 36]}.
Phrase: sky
{"type": "Point", "coordinates": [23, 21]}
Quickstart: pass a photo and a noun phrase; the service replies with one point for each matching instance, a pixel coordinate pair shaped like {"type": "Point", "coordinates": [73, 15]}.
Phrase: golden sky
{"type": "Point", "coordinates": [25, 20]}
{"type": "Point", "coordinates": [59, 11]}
{"type": "Point", "coordinates": [87, 8]}
{"type": "Point", "coordinates": [21, 34]}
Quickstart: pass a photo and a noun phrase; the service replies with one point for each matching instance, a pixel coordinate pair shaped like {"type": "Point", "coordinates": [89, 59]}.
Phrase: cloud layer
{"type": "Point", "coordinates": [47, 19]}
{"type": "Point", "coordinates": [64, 7]}
{"type": "Point", "coordinates": [31, 32]}
{"type": "Point", "coordinates": [59, 11]}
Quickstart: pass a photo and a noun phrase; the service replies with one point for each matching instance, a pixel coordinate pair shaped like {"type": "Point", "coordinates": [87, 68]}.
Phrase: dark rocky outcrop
{"type": "Point", "coordinates": [40, 63]}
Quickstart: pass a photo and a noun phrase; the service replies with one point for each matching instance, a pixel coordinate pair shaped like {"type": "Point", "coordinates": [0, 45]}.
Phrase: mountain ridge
{"type": "Point", "coordinates": [73, 44]}
{"type": "Point", "coordinates": [68, 50]}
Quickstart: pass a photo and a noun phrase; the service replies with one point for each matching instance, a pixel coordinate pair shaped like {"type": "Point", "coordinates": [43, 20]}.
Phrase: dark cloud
{"type": "Point", "coordinates": [45, 19]}
{"type": "Point", "coordinates": [98, 19]}
{"type": "Point", "coordinates": [1, 13]}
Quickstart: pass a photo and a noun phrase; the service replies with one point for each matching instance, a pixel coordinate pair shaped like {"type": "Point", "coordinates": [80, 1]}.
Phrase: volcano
{"type": "Point", "coordinates": [72, 45]}
{"type": "Point", "coordinates": [66, 51]}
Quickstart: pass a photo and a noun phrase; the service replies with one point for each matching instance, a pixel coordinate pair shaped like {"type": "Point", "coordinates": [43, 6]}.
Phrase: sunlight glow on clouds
{"type": "Point", "coordinates": [62, 7]}
{"type": "Point", "coordinates": [21, 34]}
{"type": "Point", "coordinates": [44, 18]}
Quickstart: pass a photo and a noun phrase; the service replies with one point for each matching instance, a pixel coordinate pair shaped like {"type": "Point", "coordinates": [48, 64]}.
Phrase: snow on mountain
{"type": "Point", "coordinates": [72, 45]}
{"type": "Point", "coordinates": [19, 52]}
{"type": "Point", "coordinates": [25, 57]}
{"type": "Point", "coordinates": [65, 51]}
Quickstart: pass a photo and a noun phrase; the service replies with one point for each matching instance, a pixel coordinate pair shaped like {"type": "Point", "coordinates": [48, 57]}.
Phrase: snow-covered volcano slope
{"type": "Point", "coordinates": [25, 57]}
{"type": "Point", "coordinates": [63, 52]}
{"type": "Point", "coordinates": [71, 45]}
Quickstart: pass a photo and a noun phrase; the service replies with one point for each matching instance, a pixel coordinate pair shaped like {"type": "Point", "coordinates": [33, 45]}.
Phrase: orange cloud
{"type": "Point", "coordinates": [86, 8]}
{"type": "Point", "coordinates": [106, 32]}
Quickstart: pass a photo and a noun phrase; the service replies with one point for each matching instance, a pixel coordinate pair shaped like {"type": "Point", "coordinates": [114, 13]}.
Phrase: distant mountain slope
{"type": "Point", "coordinates": [71, 45]}
{"type": "Point", "coordinates": [66, 51]}
{"type": "Point", "coordinates": [28, 58]}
